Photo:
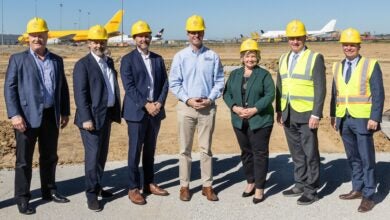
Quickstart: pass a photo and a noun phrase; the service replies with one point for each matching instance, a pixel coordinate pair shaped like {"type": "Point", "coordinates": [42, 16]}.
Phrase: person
{"type": "Point", "coordinates": [37, 100]}
{"type": "Point", "coordinates": [249, 93]}
{"type": "Point", "coordinates": [300, 94]}
{"type": "Point", "coordinates": [356, 112]}
{"type": "Point", "coordinates": [196, 79]}
{"type": "Point", "coordinates": [97, 98]}
{"type": "Point", "coordinates": [145, 83]}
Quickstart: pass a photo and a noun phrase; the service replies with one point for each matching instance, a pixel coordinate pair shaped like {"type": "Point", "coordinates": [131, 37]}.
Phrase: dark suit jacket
{"type": "Point", "coordinates": [23, 86]}
{"type": "Point", "coordinates": [378, 98]}
{"type": "Point", "coordinates": [319, 80]}
{"type": "Point", "coordinates": [260, 93]}
{"type": "Point", "coordinates": [90, 92]}
{"type": "Point", "coordinates": [135, 81]}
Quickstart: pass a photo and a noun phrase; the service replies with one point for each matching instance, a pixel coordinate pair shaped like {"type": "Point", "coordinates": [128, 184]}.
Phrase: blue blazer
{"type": "Point", "coordinates": [90, 92]}
{"type": "Point", "coordinates": [135, 81]}
{"type": "Point", "coordinates": [23, 86]}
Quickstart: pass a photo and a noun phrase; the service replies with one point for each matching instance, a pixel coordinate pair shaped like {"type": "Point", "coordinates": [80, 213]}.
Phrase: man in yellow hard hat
{"type": "Point", "coordinates": [356, 110]}
{"type": "Point", "coordinates": [300, 94]}
{"type": "Point", "coordinates": [37, 99]}
{"type": "Point", "coordinates": [145, 83]}
{"type": "Point", "coordinates": [97, 98]}
{"type": "Point", "coordinates": [197, 80]}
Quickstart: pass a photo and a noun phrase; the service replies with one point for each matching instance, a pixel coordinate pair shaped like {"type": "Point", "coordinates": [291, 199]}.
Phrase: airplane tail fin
{"type": "Point", "coordinates": [112, 25]}
{"type": "Point", "coordinates": [159, 34]}
{"type": "Point", "coordinates": [330, 26]}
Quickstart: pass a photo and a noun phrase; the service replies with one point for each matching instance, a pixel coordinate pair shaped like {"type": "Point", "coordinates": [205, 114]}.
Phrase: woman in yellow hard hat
{"type": "Point", "coordinates": [249, 93]}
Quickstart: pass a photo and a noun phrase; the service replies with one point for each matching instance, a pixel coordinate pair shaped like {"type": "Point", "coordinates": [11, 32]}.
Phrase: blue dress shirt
{"type": "Point", "coordinates": [196, 74]}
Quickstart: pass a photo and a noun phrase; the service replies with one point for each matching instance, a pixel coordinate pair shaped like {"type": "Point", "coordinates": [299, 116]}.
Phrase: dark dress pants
{"type": "Point", "coordinates": [254, 152]}
{"type": "Point", "coordinates": [96, 144]}
{"type": "Point", "coordinates": [47, 136]}
{"type": "Point", "coordinates": [361, 157]}
{"type": "Point", "coordinates": [142, 137]}
{"type": "Point", "coordinates": [303, 145]}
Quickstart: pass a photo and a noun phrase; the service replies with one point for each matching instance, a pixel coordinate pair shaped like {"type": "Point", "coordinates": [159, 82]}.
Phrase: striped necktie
{"type": "Point", "coordinates": [348, 73]}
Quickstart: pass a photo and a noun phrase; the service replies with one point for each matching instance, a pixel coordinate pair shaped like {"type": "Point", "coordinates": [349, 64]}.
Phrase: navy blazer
{"type": "Point", "coordinates": [90, 92]}
{"type": "Point", "coordinates": [23, 86]}
{"type": "Point", "coordinates": [378, 99]}
{"type": "Point", "coordinates": [135, 81]}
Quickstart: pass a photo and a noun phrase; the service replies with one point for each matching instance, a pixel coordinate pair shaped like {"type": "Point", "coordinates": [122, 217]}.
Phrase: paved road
{"type": "Point", "coordinates": [228, 182]}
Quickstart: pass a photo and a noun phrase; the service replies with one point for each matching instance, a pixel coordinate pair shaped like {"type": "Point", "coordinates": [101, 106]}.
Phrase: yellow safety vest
{"type": "Point", "coordinates": [356, 95]}
{"type": "Point", "coordinates": [298, 86]}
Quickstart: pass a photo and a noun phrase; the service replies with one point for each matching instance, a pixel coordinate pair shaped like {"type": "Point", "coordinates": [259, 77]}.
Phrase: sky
{"type": "Point", "coordinates": [224, 18]}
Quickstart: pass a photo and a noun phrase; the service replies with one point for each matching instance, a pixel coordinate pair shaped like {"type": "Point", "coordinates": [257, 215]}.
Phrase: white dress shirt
{"type": "Point", "coordinates": [108, 78]}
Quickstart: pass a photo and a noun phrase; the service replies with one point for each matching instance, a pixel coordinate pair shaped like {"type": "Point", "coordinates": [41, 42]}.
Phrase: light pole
{"type": "Point", "coordinates": [122, 25]}
{"type": "Point", "coordinates": [36, 8]}
{"type": "Point", "coordinates": [61, 15]}
{"type": "Point", "coordinates": [89, 13]}
{"type": "Point", "coordinates": [79, 19]}
{"type": "Point", "coordinates": [2, 23]}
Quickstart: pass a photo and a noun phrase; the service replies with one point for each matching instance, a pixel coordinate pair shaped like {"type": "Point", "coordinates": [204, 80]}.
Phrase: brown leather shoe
{"type": "Point", "coordinates": [351, 195]}
{"type": "Point", "coordinates": [366, 205]}
{"type": "Point", "coordinates": [136, 197]}
{"type": "Point", "coordinates": [185, 194]}
{"type": "Point", "coordinates": [209, 193]}
{"type": "Point", "coordinates": [155, 190]}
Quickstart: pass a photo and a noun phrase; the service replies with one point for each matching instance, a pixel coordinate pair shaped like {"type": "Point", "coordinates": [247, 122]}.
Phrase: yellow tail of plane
{"type": "Point", "coordinates": [112, 28]}
{"type": "Point", "coordinates": [112, 25]}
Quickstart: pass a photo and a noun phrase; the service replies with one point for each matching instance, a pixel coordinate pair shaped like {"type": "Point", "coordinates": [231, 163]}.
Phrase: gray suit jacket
{"type": "Point", "coordinates": [319, 80]}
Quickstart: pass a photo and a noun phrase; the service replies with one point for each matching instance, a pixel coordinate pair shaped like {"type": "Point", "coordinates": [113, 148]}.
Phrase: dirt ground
{"type": "Point", "coordinates": [70, 149]}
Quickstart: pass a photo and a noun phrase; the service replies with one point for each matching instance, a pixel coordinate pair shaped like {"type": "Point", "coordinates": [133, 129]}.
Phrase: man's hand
{"type": "Point", "coordinates": [88, 125]}
{"type": "Point", "coordinates": [64, 121]}
{"type": "Point", "coordinates": [333, 122]}
{"type": "Point", "coordinates": [314, 122]}
{"type": "Point", "coordinates": [199, 103]}
{"type": "Point", "coordinates": [152, 108]}
{"type": "Point", "coordinates": [279, 118]}
{"type": "Point", "coordinates": [372, 125]}
{"type": "Point", "coordinates": [18, 123]}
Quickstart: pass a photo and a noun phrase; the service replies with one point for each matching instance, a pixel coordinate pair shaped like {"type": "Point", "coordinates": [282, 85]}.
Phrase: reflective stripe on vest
{"type": "Point", "coordinates": [298, 87]}
{"type": "Point", "coordinates": [356, 95]}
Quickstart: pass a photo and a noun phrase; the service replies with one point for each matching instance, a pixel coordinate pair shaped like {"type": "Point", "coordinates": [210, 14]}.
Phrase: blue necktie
{"type": "Point", "coordinates": [348, 73]}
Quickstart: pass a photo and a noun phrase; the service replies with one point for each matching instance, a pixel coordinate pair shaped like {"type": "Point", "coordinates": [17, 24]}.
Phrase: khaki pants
{"type": "Point", "coordinates": [188, 120]}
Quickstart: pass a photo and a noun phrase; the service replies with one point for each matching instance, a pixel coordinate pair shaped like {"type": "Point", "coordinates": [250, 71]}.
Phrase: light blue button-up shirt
{"type": "Point", "coordinates": [46, 72]}
{"type": "Point", "coordinates": [196, 74]}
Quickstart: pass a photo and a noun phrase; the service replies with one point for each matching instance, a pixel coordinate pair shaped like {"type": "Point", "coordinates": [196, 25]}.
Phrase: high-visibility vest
{"type": "Point", "coordinates": [298, 87]}
{"type": "Point", "coordinates": [356, 95]}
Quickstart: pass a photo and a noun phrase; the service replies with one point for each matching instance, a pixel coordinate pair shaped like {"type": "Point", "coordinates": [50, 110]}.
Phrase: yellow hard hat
{"type": "Point", "coordinates": [36, 25]}
{"type": "Point", "coordinates": [295, 29]}
{"type": "Point", "coordinates": [140, 27]}
{"type": "Point", "coordinates": [350, 35]}
{"type": "Point", "coordinates": [195, 23]}
{"type": "Point", "coordinates": [249, 44]}
{"type": "Point", "coordinates": [97, 32]}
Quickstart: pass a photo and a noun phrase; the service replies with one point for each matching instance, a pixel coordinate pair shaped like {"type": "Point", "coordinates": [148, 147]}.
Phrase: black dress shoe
{"type": "Point", "coordinates": [56, 197]}
{"type": "Point", "coordinates": [25, 209]}
{"type": "Point", "coordinates": [94, 205]}
{"type": "Point", "coordinates": [256, 200]}
{"type": "Point", "coordinates": [292, 192]}
{"type": "Point", "coordinates": [105, 194]}
{"type": "Point", "coordinates": [247, 194]}
{"type": "Point", "coordinates": [305, 200]}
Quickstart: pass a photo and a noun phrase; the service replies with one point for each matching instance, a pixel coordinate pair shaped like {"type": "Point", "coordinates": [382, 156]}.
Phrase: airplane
{"type": "Point", "coordinates": [58, 36]}
{"type": "Point", "coordinates": [327, 29]}
{"type": "Point", "coordinates": [127, 40]}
